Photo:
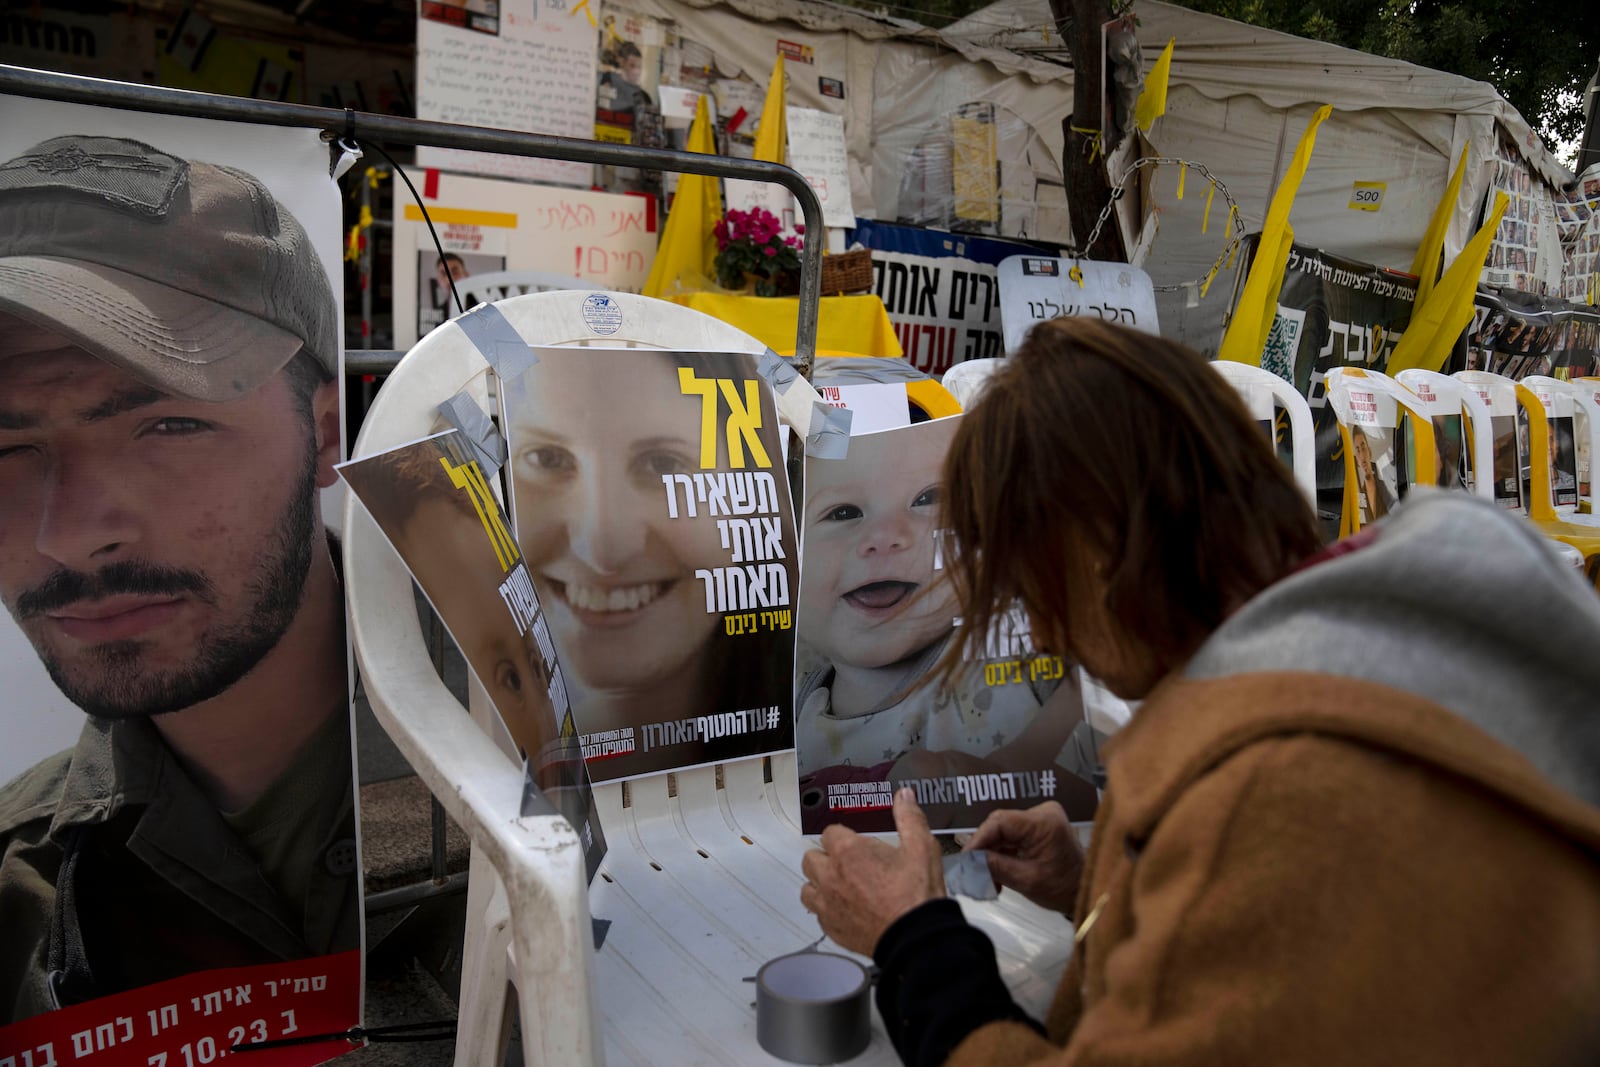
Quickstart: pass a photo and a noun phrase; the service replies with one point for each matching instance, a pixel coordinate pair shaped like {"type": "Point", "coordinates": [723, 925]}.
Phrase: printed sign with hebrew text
{"type": "Point", "coordinates": [1034, 289]}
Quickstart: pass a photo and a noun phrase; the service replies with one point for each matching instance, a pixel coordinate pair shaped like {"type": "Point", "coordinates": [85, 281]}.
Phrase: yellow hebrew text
{"type": "Point", "coordinates": [743, 424]}
{"type": "Point", "coordinates": [467, 476]}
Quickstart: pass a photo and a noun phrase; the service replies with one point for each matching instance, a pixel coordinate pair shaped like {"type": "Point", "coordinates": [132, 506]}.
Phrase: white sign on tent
{"type": "Point", "coordinates": [1034, 289]}
{"type": "Point", "coordinates": [511, 71]}
{"type": "Point", "coordinates": [817, 150]}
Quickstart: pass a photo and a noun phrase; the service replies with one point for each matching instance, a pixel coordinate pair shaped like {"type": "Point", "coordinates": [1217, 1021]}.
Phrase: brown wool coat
{"type": "Point", "coordinates": [1298, 869]}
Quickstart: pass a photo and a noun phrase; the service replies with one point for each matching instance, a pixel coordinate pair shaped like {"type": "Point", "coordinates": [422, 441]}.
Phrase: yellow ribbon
{"type": "Point", "coordinates": [1094, 144]}
{"type": "Point", "coordinates": [352, 247]}
{"type": "Point", "coordinates": [1205, 220]}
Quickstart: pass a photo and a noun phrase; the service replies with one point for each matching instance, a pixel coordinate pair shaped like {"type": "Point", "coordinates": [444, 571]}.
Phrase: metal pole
{"type": "Point", "coordinates": [390, 129]}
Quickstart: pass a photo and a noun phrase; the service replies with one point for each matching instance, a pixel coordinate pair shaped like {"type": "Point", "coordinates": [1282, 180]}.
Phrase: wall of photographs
{"type": "Point", "coordinates": [1548, 243]}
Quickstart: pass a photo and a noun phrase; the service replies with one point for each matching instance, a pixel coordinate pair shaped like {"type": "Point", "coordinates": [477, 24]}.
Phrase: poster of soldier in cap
{"type": "Point", "coordinates": [179, 873]}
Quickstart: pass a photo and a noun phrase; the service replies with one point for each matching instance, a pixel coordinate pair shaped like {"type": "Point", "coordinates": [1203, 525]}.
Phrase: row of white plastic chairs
{"type": "Point", "coordinates": [1418, 397]}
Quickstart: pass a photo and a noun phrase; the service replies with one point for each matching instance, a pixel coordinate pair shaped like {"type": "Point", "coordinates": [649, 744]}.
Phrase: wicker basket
{"type": "Point", "coordinates": [847, 272]}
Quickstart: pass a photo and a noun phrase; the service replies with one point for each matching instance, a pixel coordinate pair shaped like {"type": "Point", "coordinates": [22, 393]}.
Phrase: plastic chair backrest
{"type": "Point", "coordinates": [967, 379]}
{"type": "Point", "coordinates": [490, 286]}
{"type": "Point", "coordinates": [1567, 400]}
{"type": "Point", "coordinates": [1363, 401]}
{"type": "Point", "coordinates": [1263, 393]}
{"type": "Point", "coordinates": [1588, 392]}
{"type": "Point", "coordinates": [1499, 395]}
{"type": "Point", "coordinates": [1445, 397]}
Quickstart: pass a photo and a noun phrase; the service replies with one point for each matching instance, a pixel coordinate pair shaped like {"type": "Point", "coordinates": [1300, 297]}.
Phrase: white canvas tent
{"type": "Point", "coordinates": [1238, 100]}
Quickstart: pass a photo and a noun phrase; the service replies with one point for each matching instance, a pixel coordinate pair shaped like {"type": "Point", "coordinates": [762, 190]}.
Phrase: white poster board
{"type": "Point", "coordinates": [1033, 289]}
{"type": "Point", "coordinates": [873, 406]}
{"type": "Point", "coordinates": [817, 150]}
{"type": "Point", "coordinates": [602, 239]}
{"type": "Point", "coordinates": [530, 67]}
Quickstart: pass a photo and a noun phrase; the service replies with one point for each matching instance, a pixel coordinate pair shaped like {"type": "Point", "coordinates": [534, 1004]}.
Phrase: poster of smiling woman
{"type": "Point", "coordinates": [877, 616]}
{"type": "Point", "coordinates": [650, 502]}
{"type": "Point", "coordinates": [178, 863]}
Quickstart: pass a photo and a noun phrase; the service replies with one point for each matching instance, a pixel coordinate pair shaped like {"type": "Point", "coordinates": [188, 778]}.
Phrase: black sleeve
{"type": "Point", "coordinates": [938, 982]}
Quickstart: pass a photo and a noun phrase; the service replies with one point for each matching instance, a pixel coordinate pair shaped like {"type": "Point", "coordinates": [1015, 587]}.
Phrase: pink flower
{"type": "Point", "coordinates": [769, 251]}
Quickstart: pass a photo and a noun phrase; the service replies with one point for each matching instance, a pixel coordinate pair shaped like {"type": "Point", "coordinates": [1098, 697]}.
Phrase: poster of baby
{"type": "Point", "coordinates": [877, 616]}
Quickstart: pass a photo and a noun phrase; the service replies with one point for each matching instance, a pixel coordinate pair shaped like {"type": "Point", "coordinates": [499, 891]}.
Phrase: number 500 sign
{"type": "Point", "coordinates": [1367, 196]}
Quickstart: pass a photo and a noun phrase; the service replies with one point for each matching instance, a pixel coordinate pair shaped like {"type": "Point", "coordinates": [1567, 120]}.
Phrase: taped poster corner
{"type": "Point", "coordinates": [463, 413]}
{"type": "Point", "coordinates": [829, 434]}
{"type": "Point", "coordinates": [502, 347]}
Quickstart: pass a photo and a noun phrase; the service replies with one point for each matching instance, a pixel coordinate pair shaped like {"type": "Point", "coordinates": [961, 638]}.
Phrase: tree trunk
{"type": "Point", "coordinates": [1088, 188]}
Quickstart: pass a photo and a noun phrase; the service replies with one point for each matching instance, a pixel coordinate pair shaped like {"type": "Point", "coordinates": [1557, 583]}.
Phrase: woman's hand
{"type": "Point", "coordinates": [857, 886]}
{"type": "Point", "coordinates": [1036, 852]}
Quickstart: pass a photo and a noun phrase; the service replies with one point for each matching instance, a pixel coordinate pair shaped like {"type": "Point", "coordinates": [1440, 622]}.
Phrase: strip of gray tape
{"type": "Point", "coordinates": [828, 436]}
{"type": "Point", "coordinates": [501, 345]}
{"type": "Point", "coordinates": [827, 428]}
{"type": "Point", "coordinates": [463, 412]}
{"type": "Point", "coordinates": [967, 874]}
{"type": "Point", "coordinates": [778, 372]}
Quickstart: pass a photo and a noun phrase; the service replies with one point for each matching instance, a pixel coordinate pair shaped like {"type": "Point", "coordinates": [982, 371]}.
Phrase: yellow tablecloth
{"type": "Point", "coordinates": [846, 325]}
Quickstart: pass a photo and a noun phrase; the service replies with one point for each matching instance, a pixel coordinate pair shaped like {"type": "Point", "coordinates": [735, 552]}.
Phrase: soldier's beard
{"type": "Point", "coordinates": [115, 684]}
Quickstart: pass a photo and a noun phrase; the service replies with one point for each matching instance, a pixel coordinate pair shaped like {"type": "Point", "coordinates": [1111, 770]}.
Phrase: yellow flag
{"type": "Point", "coordinates": [1426, 265]}
{"type": "Point", "coordinates": [772, 135]}
{"type": "Point", "coordinates": [1153, 97]}
{"type": "Point", "coordinates": [687, 247]}
{"type": "Point", "coordinates": [1258, 303]}
{"type": "Point", "coordinates": [1436, 324]}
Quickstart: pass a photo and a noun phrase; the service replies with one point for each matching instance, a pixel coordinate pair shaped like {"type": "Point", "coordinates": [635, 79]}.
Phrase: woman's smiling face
{"type": "Point", "coordinates": [868, 550]}
{"type": "Point", "coordinates": [592, 434]}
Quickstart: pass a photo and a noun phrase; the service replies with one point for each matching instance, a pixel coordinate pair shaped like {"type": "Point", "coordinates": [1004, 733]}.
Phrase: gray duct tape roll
{"type": "Point", "coordinates": [813, 1007]}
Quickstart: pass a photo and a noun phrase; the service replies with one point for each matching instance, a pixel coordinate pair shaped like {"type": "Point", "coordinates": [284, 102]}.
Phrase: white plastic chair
{"type": "Point", "coordinates": [1362, 397]}
{"type": "Point", "coordinates": [490, 286]}
{"type": "Point", "coordinates": [702, 880]}
{"type": "Point", "coordinates": [1505, 396]}
{"type": "Point", "coordinates": [1441, 395]}
{"type": "Point", "coordinates": [1568, 400]}
{"type": "Point", "coordinates": [1589, 398]}
{"type": "Point", "coordinates": [1263, 393]}
{"type": "Point", "coordinates": [967, 379]}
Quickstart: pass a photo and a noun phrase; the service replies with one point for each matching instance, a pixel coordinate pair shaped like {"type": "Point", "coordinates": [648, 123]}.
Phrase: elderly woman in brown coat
{"type": "Point", "coordinates": [1354, 819]}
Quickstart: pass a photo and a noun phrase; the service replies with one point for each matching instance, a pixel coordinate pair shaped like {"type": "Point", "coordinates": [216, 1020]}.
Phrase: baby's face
{"type": "Point", "coordinates": [868, 552]}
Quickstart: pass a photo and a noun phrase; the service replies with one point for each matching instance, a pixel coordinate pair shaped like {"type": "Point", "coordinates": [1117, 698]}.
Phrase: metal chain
{"type": "Point", "coordinates": [1200, 168]}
